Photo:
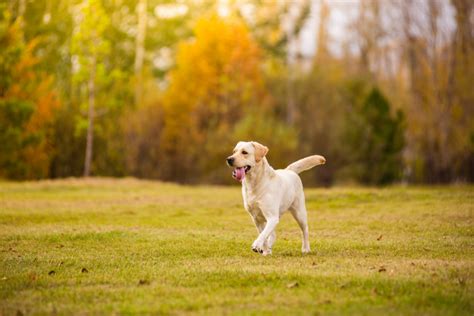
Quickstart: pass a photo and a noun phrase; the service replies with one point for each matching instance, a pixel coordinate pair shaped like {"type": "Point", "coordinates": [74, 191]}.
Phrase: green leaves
{"type": "Point", "coordinates": [376, 140]}
{"type": "Point", "coordinates": [88, 42]}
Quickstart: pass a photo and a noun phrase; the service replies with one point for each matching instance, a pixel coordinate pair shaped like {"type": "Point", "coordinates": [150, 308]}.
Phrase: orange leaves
{"type": "Point", "coordinates": [29, 152]}
{"type": "Point", "coordinates": [29, 84]}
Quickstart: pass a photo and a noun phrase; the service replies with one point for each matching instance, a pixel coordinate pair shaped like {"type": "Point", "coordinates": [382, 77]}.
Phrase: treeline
{"type": "Point", "coordinates": [158, 90]}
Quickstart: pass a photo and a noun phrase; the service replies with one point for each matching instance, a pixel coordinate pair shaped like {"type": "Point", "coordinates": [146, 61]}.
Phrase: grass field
{"type": "Point", "coordinates": [106, 246]}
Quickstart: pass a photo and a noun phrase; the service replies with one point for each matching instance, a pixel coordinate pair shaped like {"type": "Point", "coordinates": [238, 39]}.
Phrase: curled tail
{"type": "Point", "coordinates": [306, 163]}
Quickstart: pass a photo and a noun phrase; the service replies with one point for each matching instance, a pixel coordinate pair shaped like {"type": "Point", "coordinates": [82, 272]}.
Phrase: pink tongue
{"type": "Point", "coordinates": [239, 173]}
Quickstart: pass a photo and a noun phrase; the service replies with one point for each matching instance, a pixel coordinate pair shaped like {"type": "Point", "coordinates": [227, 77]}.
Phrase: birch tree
{"type": "Point", "coordinates": [140, 49]}
{"type": "Point", "coordinates": [89, 50]}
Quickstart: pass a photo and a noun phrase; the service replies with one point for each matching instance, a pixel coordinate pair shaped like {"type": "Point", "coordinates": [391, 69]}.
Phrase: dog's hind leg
{"type": "Point", "coordinates": [298, 210]}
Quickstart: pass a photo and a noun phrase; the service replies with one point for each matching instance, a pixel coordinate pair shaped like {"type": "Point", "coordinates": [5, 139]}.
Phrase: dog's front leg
{"type": "Point", "coordinates": [260, 223]}
{"type": "Point", "coordinates": [258, 244]}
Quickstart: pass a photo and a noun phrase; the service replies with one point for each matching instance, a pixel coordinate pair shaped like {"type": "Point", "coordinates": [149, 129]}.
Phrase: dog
{"type": "Point", "coordinates": [268, 193]}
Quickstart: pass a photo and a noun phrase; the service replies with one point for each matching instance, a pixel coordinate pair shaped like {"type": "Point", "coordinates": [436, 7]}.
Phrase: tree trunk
{"type": "Point", "coordinates": [290, 60]}
{"type": "Point", "coordinates": [322, 39]}
{"type": "Point", "coordinates": [90, 126]}
{"type": "Point", "coordinates": [140, 50]}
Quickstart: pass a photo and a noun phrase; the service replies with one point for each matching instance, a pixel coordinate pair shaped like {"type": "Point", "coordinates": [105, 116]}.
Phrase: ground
{"type": "Point", "coordinates": [104, 246]}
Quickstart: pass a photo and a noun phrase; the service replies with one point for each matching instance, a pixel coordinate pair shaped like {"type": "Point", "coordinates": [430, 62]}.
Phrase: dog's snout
{"type": "Point", "coordinates": [230, 161]}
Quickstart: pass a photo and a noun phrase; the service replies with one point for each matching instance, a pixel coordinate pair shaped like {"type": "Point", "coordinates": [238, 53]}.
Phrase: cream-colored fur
{"type": "Point", "coordinates": [268, 193]}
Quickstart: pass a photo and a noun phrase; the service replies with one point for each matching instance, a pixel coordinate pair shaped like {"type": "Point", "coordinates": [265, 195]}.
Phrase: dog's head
{"type": "Point", "coordinates": [246, 155]}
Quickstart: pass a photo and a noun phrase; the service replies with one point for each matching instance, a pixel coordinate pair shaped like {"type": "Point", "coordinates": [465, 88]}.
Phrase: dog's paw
{"type": "Point", "coordinates": [257, 246]}
{"type": "Point", "coordinates": [267, 252]}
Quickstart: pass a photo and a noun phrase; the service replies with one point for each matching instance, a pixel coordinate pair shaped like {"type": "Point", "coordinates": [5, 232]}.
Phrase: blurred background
{"type": "Point", "coordinates": [164, 89]}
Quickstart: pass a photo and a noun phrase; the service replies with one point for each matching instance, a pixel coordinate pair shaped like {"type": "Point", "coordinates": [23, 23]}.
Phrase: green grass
{"type": "Point", "coordinates": [129, 247]}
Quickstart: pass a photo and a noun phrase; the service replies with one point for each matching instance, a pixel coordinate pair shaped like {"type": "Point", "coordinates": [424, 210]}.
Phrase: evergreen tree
{"type": "Point", "coordinates": [377, 140]}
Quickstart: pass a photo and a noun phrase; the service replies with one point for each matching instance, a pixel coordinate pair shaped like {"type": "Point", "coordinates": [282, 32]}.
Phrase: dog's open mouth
{"type": "Point", "coordinates": [239, 173]}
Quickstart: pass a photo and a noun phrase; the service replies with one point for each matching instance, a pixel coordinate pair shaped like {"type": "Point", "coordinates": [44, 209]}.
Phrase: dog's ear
{"type": "Point", "coordinates": [260, 151]}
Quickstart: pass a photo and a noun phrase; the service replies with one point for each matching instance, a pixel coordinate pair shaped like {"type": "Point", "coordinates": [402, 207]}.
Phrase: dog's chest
{"type": "Point", "coordinates": [252, 207]}
{"type": "Point", "coordinates": [251, 203]}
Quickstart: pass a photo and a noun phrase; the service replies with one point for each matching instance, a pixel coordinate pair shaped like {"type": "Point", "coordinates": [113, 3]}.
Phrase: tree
{"type": "Point", "coordinates": [90, 48]}
{"type": "Point", "coordinates": [376, 140]}
{"type": "Point", "coordinates": [369, 32]}
{"type": "Point", "coordinates": [27, 106]}
{"type": "Point", "coordinates": [322, 51]}
{"type": "Point", "coordinates": [438, 121]}
{"type": "Point", "coordinates": [140, 49]}
{"type": "Point", "coordinates": [216, 81]}
{"type": "Point", "coordinates": [460, 92]}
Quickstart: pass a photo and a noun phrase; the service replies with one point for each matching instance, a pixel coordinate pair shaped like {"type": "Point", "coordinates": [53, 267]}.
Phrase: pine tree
{"type": "Point", "coordinates": [377, 143]}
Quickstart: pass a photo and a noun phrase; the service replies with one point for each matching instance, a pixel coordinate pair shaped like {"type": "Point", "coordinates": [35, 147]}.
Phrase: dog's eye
{"type": "Point", "coordinates": [244, 152]}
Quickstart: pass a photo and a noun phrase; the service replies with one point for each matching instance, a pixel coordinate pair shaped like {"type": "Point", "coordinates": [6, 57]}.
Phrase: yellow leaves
{"type": "Point", "coordinates": [221, 60]}
{"type": "Point", "coordinates": [220, 48]}
{"type": "Point", "coordinates": [216, 79]}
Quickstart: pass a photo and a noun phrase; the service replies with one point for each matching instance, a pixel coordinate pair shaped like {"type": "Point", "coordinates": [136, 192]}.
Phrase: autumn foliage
{"type": "Point", "coordinates": [216, 81]}
{"type": "Point", "coordinates": [164, 91]}
{"type": "Point", "coordinates": [27, 105]}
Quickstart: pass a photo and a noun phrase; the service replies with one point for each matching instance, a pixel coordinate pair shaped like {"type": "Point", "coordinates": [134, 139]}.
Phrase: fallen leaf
{"type": "Point", "coordinates": [143, 282]}
{"type": "Point", "coordinates": [51, 272]}
{"type": "Point", "coordinates": [292, 285]}
{"type": "Point", "coordinates": [382, 269]}
{"type": "Point", "coordinates": [380, 237]}
{"type": "Point", "coordinates": [84, 270]}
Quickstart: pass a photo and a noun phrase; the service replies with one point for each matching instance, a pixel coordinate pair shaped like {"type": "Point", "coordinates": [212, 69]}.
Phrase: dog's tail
{"type": "Point", "coordinates": [306, 163]}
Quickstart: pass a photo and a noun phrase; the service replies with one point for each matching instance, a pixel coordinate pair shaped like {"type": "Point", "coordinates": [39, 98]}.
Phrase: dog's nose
{"type": "Point", "coordinates": [230, 161]}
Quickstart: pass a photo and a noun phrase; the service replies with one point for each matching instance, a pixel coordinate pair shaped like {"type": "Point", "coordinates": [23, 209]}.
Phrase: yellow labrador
{"type": "Point", "coordinates": [268, 193]}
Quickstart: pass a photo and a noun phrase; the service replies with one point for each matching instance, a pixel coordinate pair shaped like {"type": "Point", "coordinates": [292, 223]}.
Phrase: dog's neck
{"type": "Point", "coordinates": [262, 171]}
